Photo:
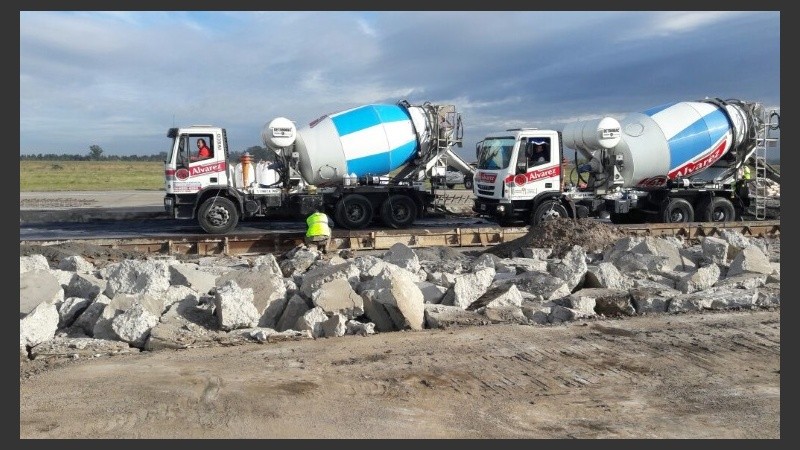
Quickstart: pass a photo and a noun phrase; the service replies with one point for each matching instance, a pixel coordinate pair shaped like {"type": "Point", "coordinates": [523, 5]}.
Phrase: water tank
{"type": "Point", "coordinates": [278, 133]}
{"type": "Point", "coordinates": [372, 139]}
{"type": "Point", "coordinates": [667, 141]}
{"type": "Point", "coordinates": [588, 135]}
{"type": "Point", "coordinates": [265, 174]}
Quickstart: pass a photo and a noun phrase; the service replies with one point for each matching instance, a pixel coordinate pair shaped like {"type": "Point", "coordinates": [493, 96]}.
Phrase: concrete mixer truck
{"type": "Point", "coordinates": [359, 165]}
{"type": "Point", "coordinates": [678, 162]}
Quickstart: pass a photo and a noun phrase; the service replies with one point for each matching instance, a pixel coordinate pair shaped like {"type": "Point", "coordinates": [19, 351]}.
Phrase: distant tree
{"type": "Point", "coordinates": [260, 153]}
{"type": "Point", "coordinates": [95, 152]}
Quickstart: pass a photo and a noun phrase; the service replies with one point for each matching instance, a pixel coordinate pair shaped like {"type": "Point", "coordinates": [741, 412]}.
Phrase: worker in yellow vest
{"type": "Point", "coordinates": [741, 186]}
{"type": "Point", "coordinates": [319, 230]}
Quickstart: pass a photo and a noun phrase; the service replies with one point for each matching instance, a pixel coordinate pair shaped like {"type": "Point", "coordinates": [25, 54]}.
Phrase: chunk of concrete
{"type": "Point", "coordinates": [39, 325]}
{"type": "Point", "coordinates": [445, 316]}
{"type": "Point", "coordinates": [234, 307]}
{"type": "Point", "coordinates": [338, 297]}
{"type": "Point", "coordinates": [703, 278]}
{"type": "Point", "coordinates": [136, 277]}
{"type": "Point", "coordinates": [571, 268]}
{"type": "Point", "coordinates": [294, 310]}
{"type": "Point", "coordinates": [35, 287]}
{"type": "Point", "coordinates": [469, 287]}
{"type": "Point", "coordinates": [750, 260]}
{"type": "Point", "coordinates": [606, 275]}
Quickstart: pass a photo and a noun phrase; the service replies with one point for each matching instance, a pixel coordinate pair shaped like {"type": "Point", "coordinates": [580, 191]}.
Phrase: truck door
{"type": "Point", "coordinates": [538, 166]}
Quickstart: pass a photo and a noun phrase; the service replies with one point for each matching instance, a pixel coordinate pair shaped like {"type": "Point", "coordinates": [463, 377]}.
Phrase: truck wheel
{"type": "Point", "coordinates": [217, 215]}
{"type": "Point", "coordinates": [468, 184]}
{"type": "Point", "coordinates": [398, 211]}
{"type": "Point", "coordinates": [548, 210]}
{"type": "Point", "coordinates": [677, 210]}
{"type": "Point", "coordinates": [716, 209]}
{"type": "Point", "coordinates": [353, 212]}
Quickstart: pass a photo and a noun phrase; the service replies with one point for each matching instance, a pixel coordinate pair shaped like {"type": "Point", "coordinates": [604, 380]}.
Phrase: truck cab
{"type": "Point", "coordinates": [184, 172]}
{"type": "Point", "coordinates": [517, 171]}
{"type": "Point", "coordinates": [190, 180]}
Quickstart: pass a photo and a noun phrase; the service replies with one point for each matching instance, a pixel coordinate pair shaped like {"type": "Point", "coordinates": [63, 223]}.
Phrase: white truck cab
{"type": "Point", "coordinates": [516, 168]}
{"type": "Point", "coordinates": [184, 172]}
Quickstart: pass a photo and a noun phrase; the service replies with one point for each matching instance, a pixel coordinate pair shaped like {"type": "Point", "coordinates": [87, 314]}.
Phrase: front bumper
{"type": "Point", "coordinates": [492, 208]}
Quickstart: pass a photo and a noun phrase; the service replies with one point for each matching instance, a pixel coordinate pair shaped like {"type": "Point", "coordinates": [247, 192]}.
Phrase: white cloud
{"type": "Point", "coordinates": [669, 23]}
{"type": "Point", "coordinates": [82, 73]}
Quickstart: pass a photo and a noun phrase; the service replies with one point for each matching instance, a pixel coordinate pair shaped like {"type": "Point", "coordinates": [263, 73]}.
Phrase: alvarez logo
{"type": "Point", "coordinates": [487, 177]}
{"type": "Point", "coordinates": [536, 175]}
{"type": "Point", "coordinates": [694, 166]}
{"type": "Point", "coordinates": [653, 182]}
{"type": "Point", "coordinates": [207, 168]}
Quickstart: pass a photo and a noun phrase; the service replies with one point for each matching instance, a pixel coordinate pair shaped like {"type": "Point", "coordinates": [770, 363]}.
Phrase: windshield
{"type": "Point", "coordinates": [495, 153]}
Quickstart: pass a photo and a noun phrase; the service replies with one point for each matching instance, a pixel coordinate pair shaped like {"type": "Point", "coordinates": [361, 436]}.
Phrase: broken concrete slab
{"type": "Point", "coordinates": [445, 316]}
{"type": "Point", "coordinates": [234, 308]}
{"type": "Point", "coordinates": [35, 287]}
{"type": "Point", "coordinates": [703, 278]}
{"type": "Point", "coordinates": [61, 347]}
{"type": "Point", "coordinates": [750, 260]}
{"type": "Point", "coordinates": [338, 297]}
{"type": "Point", "coordinates": [39, 325]}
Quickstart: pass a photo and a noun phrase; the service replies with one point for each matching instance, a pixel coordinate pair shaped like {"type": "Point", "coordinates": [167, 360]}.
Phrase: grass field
{"type": "Point", "coordinates": [90, 175]}
{"type": "Point", "coordinates": [110, 175]}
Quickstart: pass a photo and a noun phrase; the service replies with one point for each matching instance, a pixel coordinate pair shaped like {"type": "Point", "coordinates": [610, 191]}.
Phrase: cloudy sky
{"type": "Point", "coordinates": [121, 79]}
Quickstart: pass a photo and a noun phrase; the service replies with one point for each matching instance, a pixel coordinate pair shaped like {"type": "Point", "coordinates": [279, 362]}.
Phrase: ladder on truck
{"type": "Point", "coordinates": [758, 187]}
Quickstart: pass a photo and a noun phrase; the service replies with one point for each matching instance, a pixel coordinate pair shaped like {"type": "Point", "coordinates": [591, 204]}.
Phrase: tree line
{"type": "Point", "coordinates": [96, 154]}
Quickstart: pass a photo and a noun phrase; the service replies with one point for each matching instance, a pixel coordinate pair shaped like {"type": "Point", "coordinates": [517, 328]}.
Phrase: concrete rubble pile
{"type": "Point", "coordinates": [77, 310]}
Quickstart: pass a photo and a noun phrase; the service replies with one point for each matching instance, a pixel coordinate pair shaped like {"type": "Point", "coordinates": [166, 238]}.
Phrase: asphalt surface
{"type": "Point", "coordinates": [82, 206]}
{"type": "Point", "coordinates": [85, 206]}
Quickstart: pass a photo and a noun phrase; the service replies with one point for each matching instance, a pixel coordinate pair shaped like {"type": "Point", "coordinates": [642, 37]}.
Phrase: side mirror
{"type": "Point", "coordinates": [522, 167]}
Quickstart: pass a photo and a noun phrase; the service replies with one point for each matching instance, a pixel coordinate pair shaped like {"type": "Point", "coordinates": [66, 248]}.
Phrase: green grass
{"type": "Point", "coordinates": [43, 176]}
{"type": "Point", "coordinates": [90, 175]}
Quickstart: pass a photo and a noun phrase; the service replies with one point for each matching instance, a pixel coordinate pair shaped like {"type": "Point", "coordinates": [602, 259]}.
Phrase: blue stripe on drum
{"type": "Point", "coordinates": [656, 109]}
{"type": "Point", "coordinates": [697, 138]}
{"type": "Point", "coordinates": [367, 116]}
{"type": "Point", "coordinates": [382, 163]}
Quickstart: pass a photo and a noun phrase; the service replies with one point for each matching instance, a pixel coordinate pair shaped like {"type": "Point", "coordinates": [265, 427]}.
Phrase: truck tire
{"type": "Point", "coordinates": [468, 184]}
{"type": "Point", "coordinates": [353, 212]}
{"type": "Point", "coordinates": [677, 210]}
{"type": "Point", "coordinates": [716, 209]}
{"type": "Point", "coordinates": [217, 215]}
{"type": "Point", "coordinates": [398, 211]}
{"type": "Point", "coordinates": [548, 210]}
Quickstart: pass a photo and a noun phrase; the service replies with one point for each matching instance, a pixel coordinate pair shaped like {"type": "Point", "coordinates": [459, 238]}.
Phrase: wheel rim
{"type": "Point", "coordinates": [400, 213]}
{"type": "Point", "coordinates": [355, 213]}
{"type": "Point", "coordinates": [218, 216]}
{"type": "Point", "coordinates": [718, 215]}
{"type": "Point", "coordinates": [677, 215]}
{"type": "Point", "coordinates": [551, 214]}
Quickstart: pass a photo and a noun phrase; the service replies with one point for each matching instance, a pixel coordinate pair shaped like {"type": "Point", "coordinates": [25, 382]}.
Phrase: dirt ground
{"type": "Point", "coordinates": [699, 375]}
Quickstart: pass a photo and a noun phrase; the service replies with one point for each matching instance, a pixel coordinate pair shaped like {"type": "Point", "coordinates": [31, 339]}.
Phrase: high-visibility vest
{"type": "Point", "coordinates": [746, 172]}
{"type": "Point", "coordinates": [318, 225]}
